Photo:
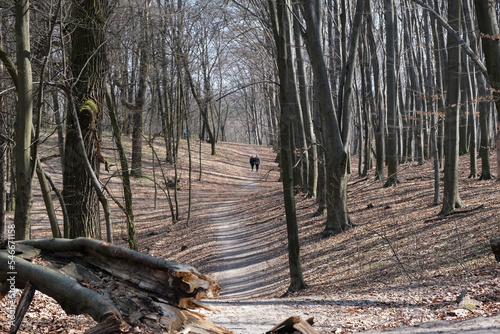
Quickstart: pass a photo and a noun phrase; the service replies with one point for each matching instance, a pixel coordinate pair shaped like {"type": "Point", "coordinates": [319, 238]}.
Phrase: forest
{"type": "Point", "coordinates": [117, 116]}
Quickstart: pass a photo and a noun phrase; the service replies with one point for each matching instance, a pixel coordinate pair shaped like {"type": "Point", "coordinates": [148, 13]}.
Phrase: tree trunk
{"type": "Point", "coordinates": [87, 65]}
{"type": "Point", "coordinates": [138, 108]}
{"type": "Point", "coordinates": [488, 25]}
{"type": "Point", "coordinates": [378, 111]}
{"type": "Point", "coordinates": [477, 91]}
{"type": "Point", "coordinates": [24, 123]}
{"type": "Point", "coordinates": [47, 198]}
{"type": "Point", "coordinates": [336, 156]}
{"type": "Point", "coordinates": [127, 190]}
{"type": "Point", "coordinates": [134, 288]}
{"type": "Point", "coordinates": [431, 107]}
{"type": "Point", "coordinates": [309, 138]}
{"type": "Point", "coordinates": [451, 197]}
{"type": "Point", "coordinates": [392, 119]}
{"type": "Point", "coordinates": [58, 114]}
{"type": "Point", "coordinates": [281, 27]}
{"type": "Point", "coordinates": [4, 147]}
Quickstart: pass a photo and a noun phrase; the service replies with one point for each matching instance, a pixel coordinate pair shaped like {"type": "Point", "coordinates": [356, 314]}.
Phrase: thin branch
{"type": "Point", "coordinates": [455, 35]}
{"type": "Point", "coordinates": [304, 152]}
{"type": "Point", "coordinates": [386, 239]}
{"type": "Point", "coordinates": [87, 165]}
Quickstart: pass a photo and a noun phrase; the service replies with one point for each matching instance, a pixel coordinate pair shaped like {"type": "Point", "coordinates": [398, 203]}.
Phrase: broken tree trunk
{"type": "Point", "coordinates": [294, 325]}
{"type": "Point", "coordinates": [117, 286]}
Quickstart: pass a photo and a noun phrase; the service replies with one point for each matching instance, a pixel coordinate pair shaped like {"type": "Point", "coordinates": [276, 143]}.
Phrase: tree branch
{"type": "Point", "coordinates": [452, 32]}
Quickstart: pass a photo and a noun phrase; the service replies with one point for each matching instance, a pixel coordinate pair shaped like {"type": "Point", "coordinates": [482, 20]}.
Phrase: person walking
{"type": "Point", "coordinates": [252, 161]}
{"type": "Point", "coordinates": [257, 163]}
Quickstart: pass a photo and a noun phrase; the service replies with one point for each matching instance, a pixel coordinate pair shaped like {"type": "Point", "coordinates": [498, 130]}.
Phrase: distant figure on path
{"type": "Point", "coordinates": [252, 161]}
{"type": "Point", "coordinates": [256, 162]}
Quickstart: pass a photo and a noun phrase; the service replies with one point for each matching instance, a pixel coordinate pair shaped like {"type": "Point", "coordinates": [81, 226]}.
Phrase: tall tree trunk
{"type": "Point", "coordinates": [58, 113]}
{"type": "Point", "coordinates": [378, 111]}
{"type": "Point", "coordinates": [392, 119]}
{"type": "Point", "coordinates": [309, 138]}
{"type": "Point", "coordinates": [440, 54]}
{"type": "Point", "coordinates": [281, 26]}
{"type": "Point", "coordinates": [451, 197]}
{"type": "Point", "coordinates": [127, 190]}
{"type": "Point", "coordinates": [431, 107]}
{"type": "Point", "coordinates": [475, 89]}
{"type": "Point", "coordinates": [138, 108]}
{"type": "Point", "coordinates": [4, 146]}
{"type": "Point", "coordinates": [336, 155]}
{"type": "Point", "coordinates": [488, 25]}
{"type": "Point", "coordinates": [24, 123]}
{"type": "Point", "coordinates": [87, 65]}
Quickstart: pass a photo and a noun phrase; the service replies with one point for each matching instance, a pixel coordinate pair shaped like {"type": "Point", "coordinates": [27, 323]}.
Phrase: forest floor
{"type": "Point", "coordinates": [401, 264]}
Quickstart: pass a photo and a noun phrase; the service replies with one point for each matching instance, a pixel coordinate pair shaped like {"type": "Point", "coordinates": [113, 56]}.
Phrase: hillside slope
{"type": "Point", "coordinates": [401, 264]}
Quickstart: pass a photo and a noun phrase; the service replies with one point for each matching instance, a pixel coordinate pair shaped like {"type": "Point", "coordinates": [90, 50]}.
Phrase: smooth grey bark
{"type": "Point", "coordinates": [392, 119]}
{"type": "Point", "coordinates": [415, 88]}
{"type": "Point", "coordinates": [336, 156]}
{"type": "Point", "coordinates": [475, 89]}
{"type": "Point", "coordinates": [337, 125]}
{"type": "Point", "coordinates": [378, 113]}
{"type": "Point", "coordinates": [49, 205]}
{"type": "Point", "coordinates": [298, 136]}
{"type": "Point", "coordinates": [58, 113]}
{"type": "Point", "coordinates": [440, 54]}
{"type": "Point", "coordinates": [484, 123]}
{"type": "Point", "coordinates": [127, 190]}
{"type": "Point", "coordinates": [451, 197]}
{"type": "Point", "coordinates": [4, 146]}
{"type": "Point", "coordinates": [431, 107]}
{"type": "Point", "coordinates": [488, 25]}
{"type": "Point", "coordinates": [309, 135]}
{"type": "Point", "coordinates": [24, 123]}
{"type": "Point", "coordinates": [281, 26]}
{"type": "Point", "coordinates": [365, 112]}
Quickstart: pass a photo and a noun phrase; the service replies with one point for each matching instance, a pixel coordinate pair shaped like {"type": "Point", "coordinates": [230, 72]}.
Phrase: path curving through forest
{"type": "Point", "coordinates": [244, 263]}
{"type": "Point", "coordinates": [246, 272]}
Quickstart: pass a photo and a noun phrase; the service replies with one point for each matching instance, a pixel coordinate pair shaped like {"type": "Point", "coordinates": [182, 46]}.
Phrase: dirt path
{"type": "Point", "coordinates": [245, 270]}
{"type": "Point", "coordinates": [245, 265]}
{"type": "Point", "coordinates": [240, 274]}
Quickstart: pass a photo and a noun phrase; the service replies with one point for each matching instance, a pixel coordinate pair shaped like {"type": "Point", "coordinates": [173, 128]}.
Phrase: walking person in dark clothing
{"type": "Point", "coordinates": [257, 163]}
{"type": "Point", "coordinates": [252, 161]}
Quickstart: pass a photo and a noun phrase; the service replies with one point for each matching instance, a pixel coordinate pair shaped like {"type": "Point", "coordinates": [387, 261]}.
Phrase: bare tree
{"type": "Point", "coordinates": [392, 147]}
{"type": "Point", "coordinates": [488, 24]}
{"type": "Point", "coordinates": [24, 123]}
{"type": "Point", "coordinates": [451, 197]}
{"type": "Point", "coordinates": [280, 18]}
{"type": "Point", "coordinates": [87, 65]}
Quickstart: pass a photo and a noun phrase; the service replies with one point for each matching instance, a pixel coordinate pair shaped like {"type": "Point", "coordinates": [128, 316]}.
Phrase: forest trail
{"type": "Point", "coordinates": [246, 270]}
{"type": "Point", "coordinates": [237, 235]}
{"type": "Point", "coordinates": [243, 261]}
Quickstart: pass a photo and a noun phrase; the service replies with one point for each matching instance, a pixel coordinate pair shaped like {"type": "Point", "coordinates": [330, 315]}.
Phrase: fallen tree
{"type": "Point", "coordinates": [118, 287]}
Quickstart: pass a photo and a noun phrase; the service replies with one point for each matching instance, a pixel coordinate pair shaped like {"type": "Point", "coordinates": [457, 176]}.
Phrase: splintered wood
{"type": "Point", "coordinates": [294, 325]}
{"type": "Point", "coordinates": [120, 288]}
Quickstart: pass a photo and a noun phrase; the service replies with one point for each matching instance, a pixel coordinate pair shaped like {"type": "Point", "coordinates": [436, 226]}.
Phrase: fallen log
{"type": "Point", "coordinates": [22, 307]}
{"type": "Point", "coordinates": [294, 325]}
{"type": "Point", "coordinates": [71, 295]}
{"type": "Point", "coordinates": [120, 288]}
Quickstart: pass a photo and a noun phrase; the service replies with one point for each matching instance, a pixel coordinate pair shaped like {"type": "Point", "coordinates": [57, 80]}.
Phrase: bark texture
{"type": "Point", "coordinates": [87, 64]}
{"type": "Point", "coordinates": [117, 286]}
